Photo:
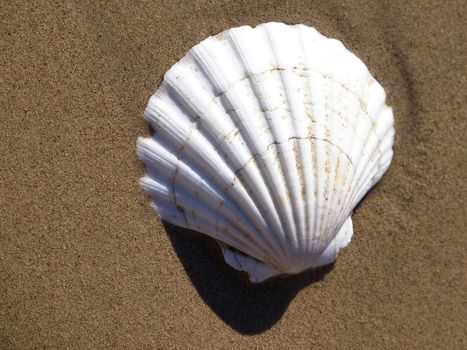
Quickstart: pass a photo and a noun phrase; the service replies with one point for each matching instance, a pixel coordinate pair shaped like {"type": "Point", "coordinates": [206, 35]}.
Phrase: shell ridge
{"type": "Point", "coordinates": [368, 173]}
{"type": "Point", "coordinates": [335, 193]}
{"type": "Point", "coordinates": [297, 71]}
{"type": "Point", "coordinates": [359, 190]}
{"type": "Point", "coordinates": [179, 153]}
{"type": "Point", "coordinates": [343, 84]}
{"type": "Point", "coordinates": [257, 89]}
{"type": "Point", "coordinates": [291, 172]}
{"type": "Point", "coordinates": [330, 210]}
{"type": "Point", "coordinates": [324, 209]}
{"type": "Point", "coordinates": [321, 148]}
{"type": "Point", "coordinates": [325, 235]}
{"type": "Point", "coordinates": [240, 167]}
{"type": "Point", "coordinates": [213, 226]}
{"type": "Point", "coordinates": [313, 211]}
{"type": "Point", "coordinates": [318, 179]}
{"type": "Point", "coordinates": [306, 175]}
{"type": "Point", "coordinates": [379, 167]}
{"type": "Point", "coordinates": [209, 138]}
{"type": "Point", "coordinates": [178, 156]}
{"type": "Point", "coordinates": [186, 142]}
{"type": "Point", "coordinates": [346, 202]}
{"type": "Point", "coordinates": [329, 226]}
{"type": "Point", "coordinates": [247, 140]}
{"type": "Point", "coordinates": [194, 184]}
{"type": "Point", "coordinates": [360, 176]}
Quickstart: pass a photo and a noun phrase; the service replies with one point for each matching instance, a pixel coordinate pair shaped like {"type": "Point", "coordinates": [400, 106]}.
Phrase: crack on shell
{"type": "Point", "coordinates": [253, 157]}
{"type": "Point", "coordinates": [301, 70]}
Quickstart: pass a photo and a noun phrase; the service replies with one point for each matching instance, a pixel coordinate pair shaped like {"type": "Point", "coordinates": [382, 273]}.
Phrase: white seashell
{"type": "Point", "coordinates": [266, 139]}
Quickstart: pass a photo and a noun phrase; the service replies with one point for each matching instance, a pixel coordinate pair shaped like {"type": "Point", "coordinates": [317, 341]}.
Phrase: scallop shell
{"type": "Point", "coordinates": [266, 139]}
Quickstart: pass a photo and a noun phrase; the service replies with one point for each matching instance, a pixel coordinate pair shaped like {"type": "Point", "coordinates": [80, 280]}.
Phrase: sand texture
{"type": "Point", "coordinates": [86, 264]}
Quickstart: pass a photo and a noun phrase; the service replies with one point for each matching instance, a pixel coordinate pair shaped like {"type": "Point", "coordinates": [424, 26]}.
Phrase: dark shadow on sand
{"type": "Point", "coordinates": [248, 308]}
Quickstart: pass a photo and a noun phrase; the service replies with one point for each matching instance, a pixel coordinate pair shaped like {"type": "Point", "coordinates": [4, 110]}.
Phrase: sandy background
{"type": "Point", "coordinates": [85, 263]}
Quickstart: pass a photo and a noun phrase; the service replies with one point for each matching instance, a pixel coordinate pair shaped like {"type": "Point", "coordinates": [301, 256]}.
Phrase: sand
{"type": "Point", "coordinates": [86, 264]}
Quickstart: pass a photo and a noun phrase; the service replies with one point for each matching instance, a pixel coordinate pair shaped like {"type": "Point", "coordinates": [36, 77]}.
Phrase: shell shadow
{"type": "Point", "coordinates": [247, 308]}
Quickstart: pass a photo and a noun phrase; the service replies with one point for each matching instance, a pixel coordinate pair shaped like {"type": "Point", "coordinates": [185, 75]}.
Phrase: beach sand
{"type": "Point", "coordinates": [86, 264]}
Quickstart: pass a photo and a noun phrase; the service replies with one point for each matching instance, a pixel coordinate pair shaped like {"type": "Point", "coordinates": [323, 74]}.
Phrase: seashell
{"type": "Point", "coordinates": [266, 139]}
